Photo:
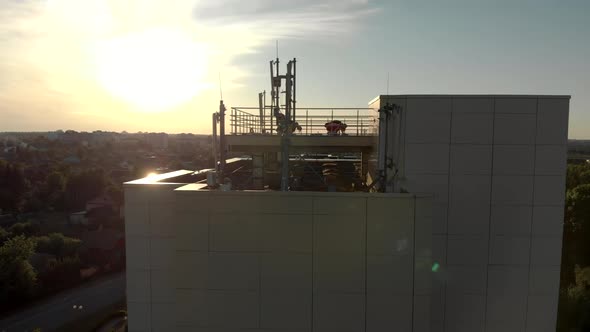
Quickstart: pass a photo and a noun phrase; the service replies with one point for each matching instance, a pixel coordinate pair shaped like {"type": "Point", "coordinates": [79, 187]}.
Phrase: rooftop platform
{"type": "Point", "coordinates": [300, 143]}
{"type": "Point", "coordinates": [255, 130]}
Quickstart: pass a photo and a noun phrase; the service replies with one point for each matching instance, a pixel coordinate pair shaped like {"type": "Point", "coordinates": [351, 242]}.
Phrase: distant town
{"type": "Point", "coordinates": [61, 203]}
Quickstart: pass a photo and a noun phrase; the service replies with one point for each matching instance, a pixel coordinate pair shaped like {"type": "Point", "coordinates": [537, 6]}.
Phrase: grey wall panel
{"type": "Point", "coordinates": [506, 312]}
{"type": "Point", "coordinates": [550, 159]}
{"type": "Point", "coordinates": [512, 190]}
{"type": "Point", "coordinates": [544, 280]}
{"type": "Point", "coordinates": [232, 308]}
{"type": "Point", "coordinates": [507, 280]}
{"type": "Point", "coordinates": [390, 274]}
{"type": "Point", "coordinates": [162, 286]}
{"type": "Point", "coordinates": [516, 105]}
{"type": "Point", "coordinates": [439, 219]}
{"type": "Point", "coordinates": [472, 128]}
{"type": "Point", "coordinates": [286, 271]}
{"type": "Point", "coordinates": [541, 313]}
{"type": "Point", "coordinates": [233, 271]}
{"type": "Point", "coordinates": [457, 253]}
{"type": "Point", "coordinates": [438, 185]}
{"type": "Point", "coordinates": [550, 189]}
{"type": "Point", "coordinates": [546, 250]}
{"type": "Point", "coordinates": [387, 313]}
{"type": "Point", "coordinates": [511, 250]}
{"type": "Point", "coordinates": [468, 217]}
{"type": "Point", "coordinates": [191, 269]}
{"type": "Point", "coordinates": [285, 309]}
{"type": "Point", "coordinates": [511, 220]}
{"type": "Point", "coordinates": [339, 273]}
{"type": "Point", "coordinates": [514, 128]}
{"type": "Point", "coordinates": [514, 159]}
{"type": "Point", "coordinates": [339, 312]}
{"type": "Point", "coordinates": [467, 279]}
{"type": "Point", "coordinates": [139, 290]}
{"type": "Point", "coordinates": [470, 188]}
{"type": "Point", "coordinates": [470, 159]}
{"type": "Point", "coordinates": [552, 121]}
{"type": "Point", "coordinates": [464, 312]}
{"type": "Point", "coordinates": [481, 105]}
{"type": "Point", "coordinates": [428, 120]}
{"type": "Point", "coordinates": [427, 158]}
{"type": "Point", "coordinates": [548, 220]}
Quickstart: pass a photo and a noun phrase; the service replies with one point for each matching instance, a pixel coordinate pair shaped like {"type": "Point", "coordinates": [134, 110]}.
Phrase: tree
{"type": "Point", "coordinates": [17, 276]}
{"type": "Point", "coordinates": [84, 186]}
{"type": "Point", "coordinates": [55, 182]}
{"type": "Point", "coordinates": [57, 244]}
{"type": "Point", "coordinates": [25, 228]}
{"type": "Point", "coordinates": [4, 235]}
{"type": "Point", "coordinates": [12, 187]}
{"type": "Point", "coordinates": [575, 302]}
{"type": "Point", "coordinates": [577, 175]}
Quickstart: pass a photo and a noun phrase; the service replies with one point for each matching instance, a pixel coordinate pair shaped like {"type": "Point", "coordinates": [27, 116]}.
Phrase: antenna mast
{"type": "Point", "coordinates": [220, 91]}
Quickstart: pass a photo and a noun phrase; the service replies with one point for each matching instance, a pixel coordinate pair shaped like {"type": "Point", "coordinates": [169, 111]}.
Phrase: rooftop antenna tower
{"type": "Point", "coordinates": [222, 147]}
{"type": "Point", "coordinates": [285, 121]}
{"type": "Point", "coordinates": [220, 91]}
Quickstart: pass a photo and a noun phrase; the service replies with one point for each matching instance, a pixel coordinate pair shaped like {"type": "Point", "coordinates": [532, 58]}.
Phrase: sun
{"type": "Point", "coordinates": [154, 69]}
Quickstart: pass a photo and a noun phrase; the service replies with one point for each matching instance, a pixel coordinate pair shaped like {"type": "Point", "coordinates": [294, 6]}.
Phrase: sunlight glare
{"type": "Point", "coordinates": [154, 70]}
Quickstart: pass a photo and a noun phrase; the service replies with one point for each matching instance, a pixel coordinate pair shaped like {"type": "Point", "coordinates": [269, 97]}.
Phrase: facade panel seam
{"type": "Point", "coordinates": [366, 257]}
{"type": "Point", "coordinates": [447, 212]}
{"type": "Point", "coordinates": [413, 266]}
{"type": "Point", "coordinates": [485, 314]}
{"type": "Point", "coordinates": [526, 315]}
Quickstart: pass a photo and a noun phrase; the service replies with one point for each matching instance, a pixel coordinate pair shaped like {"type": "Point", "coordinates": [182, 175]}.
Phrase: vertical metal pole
{"type": "Point", "coordinates": [357, 122]}
{"type": "Point", "coordinates": [288, 94]}
{"type": "Point", "coordinates": [272, 95]}
{"type": "Point", "coordinates": [214, 145]}
{"type": "Point", "coordinates": [306, 122]}
{"type": "Point", "coordinates": [221, 138]}
{"type": "Point", "coordinates": [261, 111]}
{"type": "Point", "coordinates": [332, 114]}
{"type": "Point", "coordinates": [286, 132]}
{"type": "Point", "coordinates": [294, 89]}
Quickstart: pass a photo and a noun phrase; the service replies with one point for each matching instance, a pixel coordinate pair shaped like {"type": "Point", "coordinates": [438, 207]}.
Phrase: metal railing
{"type": "Point", "coordinates": [249, 120]}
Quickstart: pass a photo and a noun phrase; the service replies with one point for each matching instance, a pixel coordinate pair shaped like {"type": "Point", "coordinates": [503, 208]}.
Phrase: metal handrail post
{"type": "Point", "coordinates": [357, 122]}
{"type": "Point", "coordinates": [306, 122]}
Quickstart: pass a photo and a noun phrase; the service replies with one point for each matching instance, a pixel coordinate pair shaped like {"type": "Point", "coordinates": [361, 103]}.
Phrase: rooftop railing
{"type": "Point", "coordinates": [312, 121]}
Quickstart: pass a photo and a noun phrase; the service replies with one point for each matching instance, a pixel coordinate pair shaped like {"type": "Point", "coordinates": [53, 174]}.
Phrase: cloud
{"type": "Point", "coordinates": [268, 19]}
{"type": "Point", "coordinates": [48, 56]}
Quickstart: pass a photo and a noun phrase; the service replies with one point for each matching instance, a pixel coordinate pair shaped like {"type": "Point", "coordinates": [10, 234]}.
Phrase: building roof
{"type": "Point", "coordinates": [467, 96]}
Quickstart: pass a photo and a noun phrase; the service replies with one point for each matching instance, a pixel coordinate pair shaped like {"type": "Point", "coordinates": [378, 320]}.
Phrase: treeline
{"type": "Point", "coordinates": [61, 189]}
{"type": "Point", "coordinates": [19, 280]}
{"type": "Point", "coordinates": [574, 300]}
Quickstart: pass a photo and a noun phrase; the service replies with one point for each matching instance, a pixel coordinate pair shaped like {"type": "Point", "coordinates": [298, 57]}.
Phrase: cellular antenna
{"type": "Point", "coordinates": [220, 91]}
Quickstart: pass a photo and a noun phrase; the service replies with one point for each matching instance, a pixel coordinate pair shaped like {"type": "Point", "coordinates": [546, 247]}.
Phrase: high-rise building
{"type": "Point", "coordinates": [433, 213]}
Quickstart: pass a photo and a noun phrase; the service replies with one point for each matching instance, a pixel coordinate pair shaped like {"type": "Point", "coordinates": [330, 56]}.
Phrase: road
{"type": "Point", "coordinates": [64, 307]}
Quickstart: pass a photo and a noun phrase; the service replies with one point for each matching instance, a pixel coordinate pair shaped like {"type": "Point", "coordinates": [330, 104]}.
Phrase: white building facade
{"type": "Point", "coordinates": [496, 166]}
{"type": "Point", "coordinates": [469, 241]}
{"type": "Point", "coordinates": [200, 260]}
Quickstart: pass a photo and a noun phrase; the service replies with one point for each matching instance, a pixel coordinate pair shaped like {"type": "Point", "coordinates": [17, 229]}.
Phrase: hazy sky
{"type": "Point", "coordinates": [153, 65]}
